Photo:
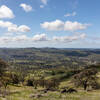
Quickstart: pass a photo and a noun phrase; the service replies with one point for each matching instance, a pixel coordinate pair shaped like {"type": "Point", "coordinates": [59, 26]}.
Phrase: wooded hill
{"type": "Point", "coordinates": [50, 57]}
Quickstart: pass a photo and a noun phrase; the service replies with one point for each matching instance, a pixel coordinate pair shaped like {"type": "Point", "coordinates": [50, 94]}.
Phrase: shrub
{"type": "Point", "coordinates": [52, 83]}
{"type": "Point", "coordinates": [29, 81]}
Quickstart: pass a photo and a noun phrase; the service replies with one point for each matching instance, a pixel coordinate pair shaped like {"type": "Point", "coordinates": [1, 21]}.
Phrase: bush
{"type": "Point", "coordinates": [15, 78]}
{"type": "Point", "coordinates": [52, 83]}
{"type": "Point", "coordinates": [29, 81]}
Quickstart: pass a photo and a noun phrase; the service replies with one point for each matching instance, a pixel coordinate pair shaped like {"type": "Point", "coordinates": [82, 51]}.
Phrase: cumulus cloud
{"type": "Point", "coordinates": [73, 26]}
{"type": "Point", "coordinates": [6, 12]}
{"type": "Point", "coordinates": [20, 39]}
{"type": "Point", "coordinates": [9, 39]}
{"type": "Point", "coordinates": [70, 14]}
{"type": "Point", "coordinates": [69, 38]}
{"type": "Point", "coordinates": [59, 25]}
{"type": "Point", "coordinates": [13, 27]}
{"type": "Point", "coordinates": [27, 8]}
{"type": "Point", "coordinates": [53, 26]}
{"type": "Point", "coordinates": [40, 37]}
{"type": "Point", "coordinates": [6, 24]}
{"type": "Point", "coordinates": [23, 38]}
{"type": "Point", "coordinates": [21, 28]}
{"type": "Point", "coordinates": [44, 2]}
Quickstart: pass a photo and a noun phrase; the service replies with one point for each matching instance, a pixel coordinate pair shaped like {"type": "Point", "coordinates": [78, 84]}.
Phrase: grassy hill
{"type": "Point", "coordinates": [26, 93]}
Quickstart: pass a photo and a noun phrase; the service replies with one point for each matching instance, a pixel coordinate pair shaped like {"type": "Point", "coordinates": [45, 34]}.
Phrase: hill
{"type": "Point", "coordinates": [50, 57]}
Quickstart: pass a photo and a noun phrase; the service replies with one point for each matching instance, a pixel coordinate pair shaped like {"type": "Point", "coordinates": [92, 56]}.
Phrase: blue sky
{"type": "Point", "coordinates": [50, 23]}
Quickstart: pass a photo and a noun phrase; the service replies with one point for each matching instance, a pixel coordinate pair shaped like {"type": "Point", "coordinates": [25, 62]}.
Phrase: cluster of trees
{"type": "Point", "coordinates": [86, 78]}
{"type": "Point", "coordinates": [41, 82]}
{"type": "Point", "coordinates": [7, 77]}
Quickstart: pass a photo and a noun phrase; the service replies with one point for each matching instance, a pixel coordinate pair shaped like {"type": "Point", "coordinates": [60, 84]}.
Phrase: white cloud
{"type": "Point", "coordinates": [59, 25]}
{"type": "Point", "coordinates": [44, 2]}
{"type": "Point", "coordinates": [69, 38]}
{"type": "Point", "coordinates": [70, 14]}
{"type": "Point", "coordinates": [6, 24]}
{"type": "Point", "coordinates": [23, 38]}
{"type": "Point", "coordinates": [73, 26]}
{"type": "Point", "coordinates": [20, 38]}
{"type": "Point", "coordinates": [53, 26]}
{"type": "Point", "coordinates": [13, 27]}
{"type": "Point", "coordinates": [9, 39]}
{"type": "Point", "coordinates": [40, 37]}
{"type": "Point", "coordinates": [21, 28]}
{"type": "Point", "coordinates": [26, 7]}
{"type": "Point", "coordinates": [6, 12]}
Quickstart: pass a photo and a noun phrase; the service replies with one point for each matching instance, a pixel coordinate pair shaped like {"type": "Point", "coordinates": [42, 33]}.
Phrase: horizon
{"type": "Point", "coordinates": [46, 48]}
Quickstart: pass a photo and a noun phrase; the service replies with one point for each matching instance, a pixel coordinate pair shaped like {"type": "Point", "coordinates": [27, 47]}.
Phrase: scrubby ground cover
{"type": "Point", "coordinates": [27, 93]}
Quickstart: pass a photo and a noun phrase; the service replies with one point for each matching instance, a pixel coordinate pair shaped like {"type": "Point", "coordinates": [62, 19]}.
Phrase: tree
{"type": "Point", "coordinates": [3, 67]}
{"type": "Point", "coordinates": [86, 78]}
{"type": "Point", "coordinates": [4, 79]}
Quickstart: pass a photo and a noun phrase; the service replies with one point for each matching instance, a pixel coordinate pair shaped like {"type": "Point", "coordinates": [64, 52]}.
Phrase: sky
{"type": "Point", "coordinates": [50, 23]}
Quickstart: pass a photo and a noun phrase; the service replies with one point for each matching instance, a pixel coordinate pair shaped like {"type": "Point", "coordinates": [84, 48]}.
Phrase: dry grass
{"type": "Point", "coordinates": [23, 93]}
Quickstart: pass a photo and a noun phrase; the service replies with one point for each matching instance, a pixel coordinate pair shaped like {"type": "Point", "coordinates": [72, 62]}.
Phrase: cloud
{"type": "Point", "coordinates": [23, 38]}
{"type": "Point", "coordinates": [13, 27]}
{"type": "Point", "coordinates": [6, 24]}
{"type": "Point", "coordinates": [27, 8]}
{"type": "Point", "coordinates": [70, 14]}
{"type": "Point", "coordinates": [53, 26]}
{"type": "Point", "coordinates": [69, 38]}
{"type": "Point", "coordinates": [9, 39]}
{"type": "Point", "coordinates": [59, 25]}
{"type": "Point", "coordinates": [21, 28]}
{"type": "Point", "coordinates": [44, 2]}
{"type": "Point", "coordinates": [39, 38]}
{"type": "Point", "coordinates": [6, 12]}
{"type": "Point", "coordinates": [20, 38]}
{"type": "Point", "coordinates": [74, 26]}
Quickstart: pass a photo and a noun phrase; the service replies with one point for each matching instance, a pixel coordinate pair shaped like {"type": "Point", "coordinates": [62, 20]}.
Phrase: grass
{"type": "Point", "coordinates": [23, 93]}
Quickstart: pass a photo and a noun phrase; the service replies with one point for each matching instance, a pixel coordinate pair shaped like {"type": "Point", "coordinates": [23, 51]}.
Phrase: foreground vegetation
{"type": "Point", "coordinates": [25, 93]}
